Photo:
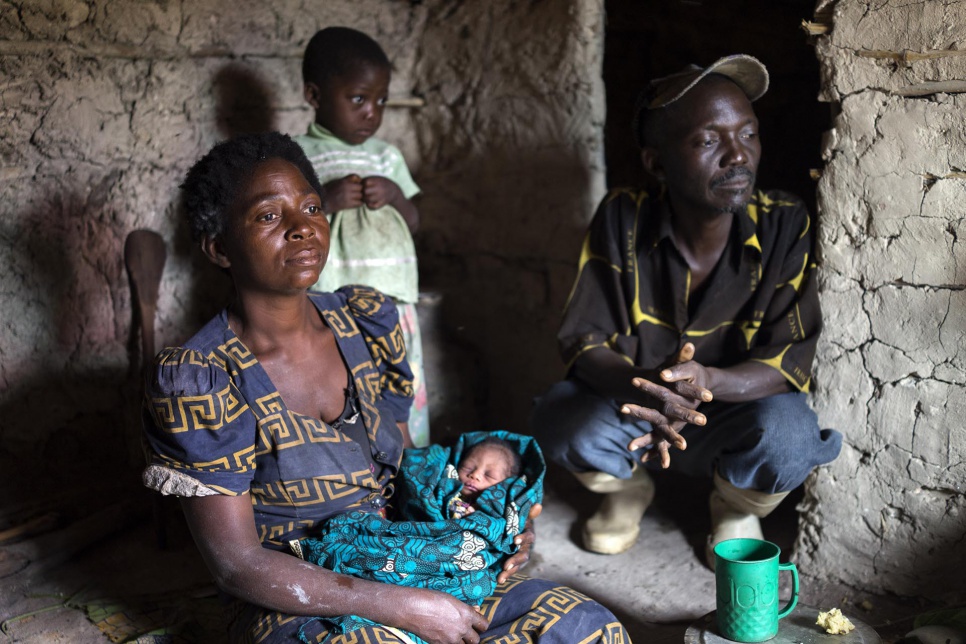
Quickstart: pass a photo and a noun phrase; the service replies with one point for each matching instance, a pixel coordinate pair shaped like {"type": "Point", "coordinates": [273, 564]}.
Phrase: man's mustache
{"type": "Point", "coordinates": [732, 173]}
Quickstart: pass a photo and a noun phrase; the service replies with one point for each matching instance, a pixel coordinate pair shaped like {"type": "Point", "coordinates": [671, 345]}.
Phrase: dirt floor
{"type": "Point", "coordinates": [658, 588]}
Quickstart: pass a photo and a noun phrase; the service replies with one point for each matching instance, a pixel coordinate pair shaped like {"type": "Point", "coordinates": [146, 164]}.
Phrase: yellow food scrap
{"type": "Point", "coordinates": [834, 622]}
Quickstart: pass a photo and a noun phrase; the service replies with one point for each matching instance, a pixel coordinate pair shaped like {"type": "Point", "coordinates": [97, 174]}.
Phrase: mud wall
{"type": "Point", "coordinates": [105, 103]}
{"type": "Point", "coordinates": [890, 513]}
{"type": "Point", "coordinates": [512, 147]}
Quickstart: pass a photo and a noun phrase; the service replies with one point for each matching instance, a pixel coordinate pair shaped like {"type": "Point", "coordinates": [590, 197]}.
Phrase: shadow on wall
{"type": "Point", "coordinates": [500, 244]}
{"type": "Point", "coordinates": [65, 423]}
{"type": "Point", "coordinates": [65, 426]}
{"type": "Point", "coordinates": [243, 101]}
{"type": "Point", "coordinates": [244, 104]}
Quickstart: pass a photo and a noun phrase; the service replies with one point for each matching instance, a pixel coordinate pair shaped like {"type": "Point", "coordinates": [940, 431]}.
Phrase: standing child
{"type": "Point", "coordinates": [367, 185]}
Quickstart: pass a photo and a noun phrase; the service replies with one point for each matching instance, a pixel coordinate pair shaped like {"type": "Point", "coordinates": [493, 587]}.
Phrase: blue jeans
{"type": "Point", "coordinates": [769, 445]}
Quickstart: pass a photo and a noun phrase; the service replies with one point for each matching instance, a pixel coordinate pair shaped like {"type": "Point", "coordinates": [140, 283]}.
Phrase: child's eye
{"type": "Point", "coordinates": [314, 209]}
{"type": "Point", "coordinates": [357, 100]}
{"type": "Point", "coordinates": [382, 101]}
{"type": "Point", "coordinates": [268, 216]}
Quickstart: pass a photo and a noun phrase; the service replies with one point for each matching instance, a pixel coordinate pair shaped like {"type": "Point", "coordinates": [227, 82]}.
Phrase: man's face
{"type": "Point", "coordinates": [709, 152]}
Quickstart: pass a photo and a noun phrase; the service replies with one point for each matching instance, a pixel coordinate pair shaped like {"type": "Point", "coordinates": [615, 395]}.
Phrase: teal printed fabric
{"type": "Point", "coordinates": [425, 548]}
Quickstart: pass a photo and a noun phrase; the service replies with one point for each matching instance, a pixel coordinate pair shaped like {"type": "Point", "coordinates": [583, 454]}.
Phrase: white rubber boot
{"type": "Point", "coordinates": [735, 513]}
{"type": "Point", "coordinates": [614, 527]}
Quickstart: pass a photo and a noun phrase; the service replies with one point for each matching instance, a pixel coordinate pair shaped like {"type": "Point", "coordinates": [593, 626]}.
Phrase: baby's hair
{"type": "Point", "coordinates": [516, 463]}
{"type": "Point", "coordinates": [338, 51]}
{"type": "Point", "coordinates": [215, 181]}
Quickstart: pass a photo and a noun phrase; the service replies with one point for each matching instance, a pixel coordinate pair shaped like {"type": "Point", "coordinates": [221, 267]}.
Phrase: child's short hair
{"type": "Point", "coordinates": [516, 463]}
{"type": "Point", "coordinates": [336, 51]}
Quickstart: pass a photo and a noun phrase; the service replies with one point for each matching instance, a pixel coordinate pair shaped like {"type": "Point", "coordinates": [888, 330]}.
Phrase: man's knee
{"type": "Point", "coordinates": [581, 430]}
{"type": "Point", "coordinates": [788, 425]}
{"type": "Point", "coordinates": [566, 413]}
{"type": "Point", "coordinates": [787, 445]}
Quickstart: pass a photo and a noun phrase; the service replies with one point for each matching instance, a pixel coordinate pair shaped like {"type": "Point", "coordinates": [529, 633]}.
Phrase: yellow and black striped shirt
{"type": "Point", "coordinates": [759, 303]}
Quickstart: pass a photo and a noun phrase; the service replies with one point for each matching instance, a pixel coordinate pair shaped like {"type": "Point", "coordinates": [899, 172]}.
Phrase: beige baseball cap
{"type": "Point", "coordinates": [746, 71]}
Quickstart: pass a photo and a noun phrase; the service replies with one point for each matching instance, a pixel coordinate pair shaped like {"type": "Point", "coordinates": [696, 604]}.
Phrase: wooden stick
{"type": "Point", "coordinates": [406, 102]}
{"type": "Point", "coordinates": [34, 556]}
{"type": "Point", "coordinates": [43, 523]}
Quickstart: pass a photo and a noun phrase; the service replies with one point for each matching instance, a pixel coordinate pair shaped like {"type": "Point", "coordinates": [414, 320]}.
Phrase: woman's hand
{"type": "Point", "coordinates": [439, 618]}
{"type": "Point", "coordinates": [524, 542]}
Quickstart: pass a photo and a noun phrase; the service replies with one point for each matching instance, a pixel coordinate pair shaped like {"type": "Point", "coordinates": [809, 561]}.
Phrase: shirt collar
{"type": "Point", "coordinates": [747, 225]}
{"type": "Point", "coordinates": [748, 222]}
{"type": "Point", "coordinates": [657, 233]}
{"type": "Point", "coordinates": [318, 132]}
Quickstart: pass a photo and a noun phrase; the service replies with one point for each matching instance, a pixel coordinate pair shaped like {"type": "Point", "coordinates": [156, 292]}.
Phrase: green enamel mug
{"type": "Point", "coordinates": [746, 588]}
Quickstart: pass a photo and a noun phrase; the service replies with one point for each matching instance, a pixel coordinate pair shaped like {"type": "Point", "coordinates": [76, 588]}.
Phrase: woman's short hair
{"type": "Point", "coordinates": [215, 181]}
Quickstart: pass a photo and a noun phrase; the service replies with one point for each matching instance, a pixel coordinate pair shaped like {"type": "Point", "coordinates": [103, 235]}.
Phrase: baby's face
{"type": "Point", "coordinates": [482, 467]}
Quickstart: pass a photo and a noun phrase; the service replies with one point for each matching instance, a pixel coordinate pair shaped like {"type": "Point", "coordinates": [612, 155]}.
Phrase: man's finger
{"type": "Point", "coordinates": [662, 448]}
{"type": "Point", "coordinates": [684, 387]}
{"type": "Point", "coordinates": [668, 414]}
{"type": "Point", "coordinates": [686, 353]}
{"type": "Point", "coordinates": [656, 437]}
{"type": "Point", "coordinates": [671, 394]}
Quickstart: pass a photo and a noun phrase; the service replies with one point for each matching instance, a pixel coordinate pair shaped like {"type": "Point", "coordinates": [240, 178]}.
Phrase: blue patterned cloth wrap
{"type": "Point", "coordinates": [425, 548]}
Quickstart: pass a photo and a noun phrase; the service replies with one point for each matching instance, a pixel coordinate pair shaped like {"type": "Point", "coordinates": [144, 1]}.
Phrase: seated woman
{"type": "Point", "coordinates": [290, 407]}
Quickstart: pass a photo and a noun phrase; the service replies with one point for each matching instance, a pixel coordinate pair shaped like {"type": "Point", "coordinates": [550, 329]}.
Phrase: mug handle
{"type": "Point", "coordinates": [790, 606]}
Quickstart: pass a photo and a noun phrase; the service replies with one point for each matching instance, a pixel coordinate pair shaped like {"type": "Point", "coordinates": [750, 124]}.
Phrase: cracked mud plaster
{"type": "Point", "coordinates": [888, 515]}
{"type": "Point", "coordinates": [895, 46]}
{"type": "Point", "coordinates": [104, 105]}
{"type": "Point", "coordinates": [126, 95]}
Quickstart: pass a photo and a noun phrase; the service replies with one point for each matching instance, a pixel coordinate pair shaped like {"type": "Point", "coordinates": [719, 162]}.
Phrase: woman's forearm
{"type": "Point", "coordinates": [223, 529]}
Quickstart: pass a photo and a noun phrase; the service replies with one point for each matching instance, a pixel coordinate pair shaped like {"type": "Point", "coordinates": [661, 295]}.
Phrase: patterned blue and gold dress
{"type": "Point", "coordinates": [215, 424]}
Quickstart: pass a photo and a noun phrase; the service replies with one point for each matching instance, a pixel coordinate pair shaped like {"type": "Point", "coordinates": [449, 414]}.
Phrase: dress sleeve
{"type": "Point", "coordinates": [597, 311]}
{"type": "Point", "coordinates": [378, 320]}
{"type": "Point", "coordinates": [400, 174]}
{"type": "Point", "coordinates": [792, 321]}
{"type": "Point", "coordinates": [197, 424]}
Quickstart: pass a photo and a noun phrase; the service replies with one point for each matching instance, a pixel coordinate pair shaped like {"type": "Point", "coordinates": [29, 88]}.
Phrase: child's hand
{"type": "Point", "coordinates": [343, 193]}
{"type": "Point", "coordinates": [379, 191]}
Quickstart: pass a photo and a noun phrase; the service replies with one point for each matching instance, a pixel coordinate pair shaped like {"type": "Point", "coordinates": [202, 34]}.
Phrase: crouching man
{"type": "Point", "coordinates": [693, 322]}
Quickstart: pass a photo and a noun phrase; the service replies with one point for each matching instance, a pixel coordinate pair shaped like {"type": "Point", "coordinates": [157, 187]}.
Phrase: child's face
{"type": "Point", "coordinates": [351, 106]}
{"type": "Point", "coordinates": [482, 467]}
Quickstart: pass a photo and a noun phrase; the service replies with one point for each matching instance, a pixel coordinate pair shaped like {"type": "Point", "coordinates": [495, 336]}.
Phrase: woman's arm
{"type": "Point", "coordinates": [223, 528]}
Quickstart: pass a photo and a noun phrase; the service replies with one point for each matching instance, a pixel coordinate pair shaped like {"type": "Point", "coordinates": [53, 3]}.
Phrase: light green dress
{"type": "Point", "coordinates": [373, 247]}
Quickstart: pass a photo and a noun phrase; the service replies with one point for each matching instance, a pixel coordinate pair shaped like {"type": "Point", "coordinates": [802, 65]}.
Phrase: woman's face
{"type": "Point", "coordinates": [276, 237]}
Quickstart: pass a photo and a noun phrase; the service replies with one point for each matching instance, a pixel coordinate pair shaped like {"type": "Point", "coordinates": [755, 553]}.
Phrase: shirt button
{"type": "Point", "coordinates": [382, 456]}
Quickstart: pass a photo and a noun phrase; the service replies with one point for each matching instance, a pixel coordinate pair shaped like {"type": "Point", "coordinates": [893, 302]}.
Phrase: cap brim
{"type": "Point", "coordinates": [746, 71]}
